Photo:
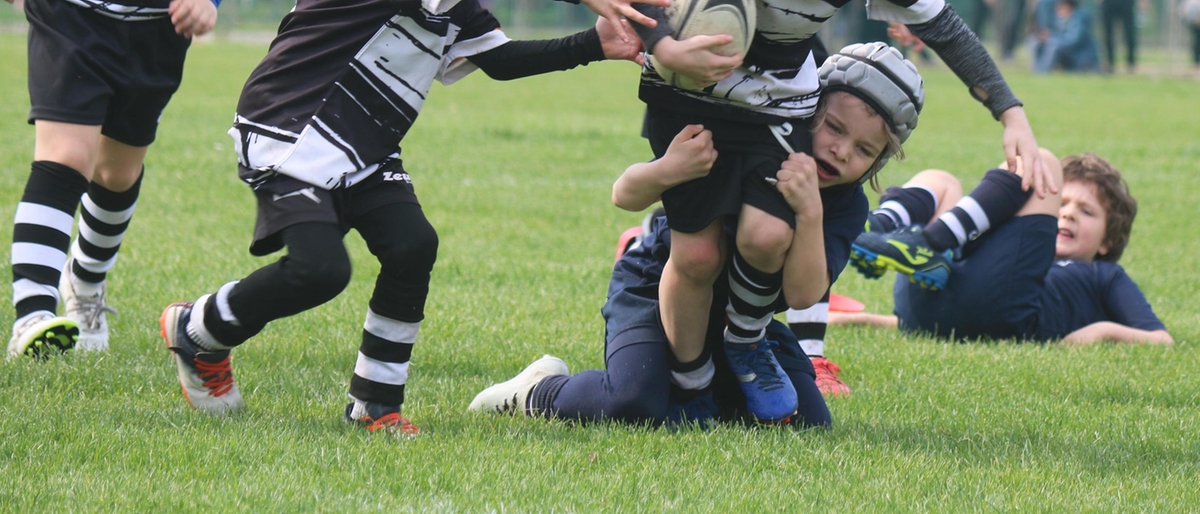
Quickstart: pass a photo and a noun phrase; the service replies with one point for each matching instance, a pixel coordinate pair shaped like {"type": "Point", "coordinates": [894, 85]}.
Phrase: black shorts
{"type": "Point", "coordinates": [995, 289]}
{"type": "Point", "coordinates": [746, 155]}
{"type": "Point", "coordinates": [284, 201]}
{"type": "Point", "coordinates": [89, 69]}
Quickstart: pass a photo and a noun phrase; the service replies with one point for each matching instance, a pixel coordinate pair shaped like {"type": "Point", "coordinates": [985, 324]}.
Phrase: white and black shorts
{"type": "Point", "coordinates": [284, 201]}
{"type": "Point", "coordinates": [89, 69]}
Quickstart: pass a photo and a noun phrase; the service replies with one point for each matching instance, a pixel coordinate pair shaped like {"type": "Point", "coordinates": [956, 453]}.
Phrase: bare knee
{"type": "Point", "coordinates": [765, 244]}
{"type": "Point", "coordinates": [74, 146]}
{"type": "Point", "coordinates": [698, 260]}
{"type": "Point", "coordinates": [946, 188]}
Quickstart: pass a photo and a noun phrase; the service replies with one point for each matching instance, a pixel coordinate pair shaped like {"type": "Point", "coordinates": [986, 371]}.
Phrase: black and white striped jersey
{"type": "Point", "coordinates": [778, 77]}
{"type": "Point", "coordinates": [131, 10]}
{"type": "Point", "coordinates": [344, 81]}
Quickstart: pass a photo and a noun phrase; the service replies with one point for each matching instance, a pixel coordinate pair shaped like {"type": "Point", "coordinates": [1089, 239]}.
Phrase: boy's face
{"type": "Point", "coordinates": [1082, 222]}
{"type": "Point", "coordinates": [849, 141]}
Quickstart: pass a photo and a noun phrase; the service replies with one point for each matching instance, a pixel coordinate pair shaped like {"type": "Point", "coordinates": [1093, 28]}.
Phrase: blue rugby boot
{"type": "Point", "coordinates": [905, 251]}
{"type": "Point", "coordinates": [700, 410]}
{"type": "Point", "coordinates": [770, 396]}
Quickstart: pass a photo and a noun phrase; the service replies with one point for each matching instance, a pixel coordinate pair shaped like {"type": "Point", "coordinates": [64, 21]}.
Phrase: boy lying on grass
{"type": "Point", "coordinates": [1005, 264]}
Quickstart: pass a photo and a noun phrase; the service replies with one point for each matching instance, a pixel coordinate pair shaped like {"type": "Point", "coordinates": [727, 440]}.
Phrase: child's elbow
{"type": "Point", "coordinates": [621, 201]}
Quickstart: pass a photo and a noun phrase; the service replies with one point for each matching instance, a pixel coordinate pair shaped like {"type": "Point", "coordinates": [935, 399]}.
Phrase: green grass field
{"type": "Point", "coordinates": [516, 177]}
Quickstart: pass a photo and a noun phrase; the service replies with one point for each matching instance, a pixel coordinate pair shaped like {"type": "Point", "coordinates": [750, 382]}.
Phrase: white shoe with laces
{"type": "Point", "coordinates": [90, 312]}
{"type": "Point", "coordinates": [511, 397]}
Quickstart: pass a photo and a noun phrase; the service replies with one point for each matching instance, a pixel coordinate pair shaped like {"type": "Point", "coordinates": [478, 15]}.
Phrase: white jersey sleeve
{"type": "Point", "coordinates": [908, 13]}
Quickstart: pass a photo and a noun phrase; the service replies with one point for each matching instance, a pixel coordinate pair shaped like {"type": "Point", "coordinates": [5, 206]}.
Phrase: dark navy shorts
{"type": "Point", "coordinates": [284, 201]}
{"type": "Point", "coordinates": [89, 69]}
{"type": "Point", "coordinates": [995, 289]}
{"type": "Point", "coordinates": [746, 155]}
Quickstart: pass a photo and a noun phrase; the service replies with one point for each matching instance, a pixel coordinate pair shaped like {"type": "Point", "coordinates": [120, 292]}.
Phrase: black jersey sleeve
{"type": "Point", "coordinates": [1125, 303]}
{"type": "Point", "coordinates": [516, 59]}
{"type": "Point", "coordinates": [954, 42]}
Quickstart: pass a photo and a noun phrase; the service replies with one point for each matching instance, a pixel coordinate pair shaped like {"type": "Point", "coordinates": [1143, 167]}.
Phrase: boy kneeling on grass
{"type": "Point", "coordinates": [1000, 265]}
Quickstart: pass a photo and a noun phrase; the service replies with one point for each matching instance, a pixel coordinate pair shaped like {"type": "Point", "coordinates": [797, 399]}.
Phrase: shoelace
{"type": "Point", "coordinates": [757, 361]}
{"type": "Point", "coordinates": [217, 376]}
{"type": "Point", "coordinates": [509, 408]}
{"type": "Point", "coordinates": [828, 367]}
{"type": "Point", "coordinates": [392, 422]}
{"type": "Point", "coordinates": [92, 308]}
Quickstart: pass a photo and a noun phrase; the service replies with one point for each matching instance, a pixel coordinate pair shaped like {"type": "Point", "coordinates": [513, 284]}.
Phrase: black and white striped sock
{"type": "Point", "coordinates": [752, 295]}
{"type": "Point", "coordinates": [42, 235]}
{"type": "Point", "coordinates": [901, 207]}
{"type": "Point", "coordinates": [695, 375]}
{"type": "Point", "coordinates": [996, 199]}
{"type": "Point", "coordinates": [382, 367]}
{"type": "Point", "coordinates": [808, 325]}
{"type": "Point", "coordinates": [103, 220]}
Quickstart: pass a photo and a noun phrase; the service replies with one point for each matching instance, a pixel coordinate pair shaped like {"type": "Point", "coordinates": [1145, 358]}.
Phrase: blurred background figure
{"type": "Point", "coordinates": [1113, 12]}
{"type": "Point", "coordinates": [1041, 26]}
{"type": "Point", "coordinates": [1012, 26]}
{"type": "Point", "coordinates": [981, 12]}
{"type": "Point", "coordinates": [1189, 10]}
{"type": "Point", "coordinates": [1071, 45]}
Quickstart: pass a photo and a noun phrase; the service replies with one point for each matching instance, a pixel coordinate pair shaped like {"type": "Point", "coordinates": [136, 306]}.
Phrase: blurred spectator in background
{"type": "Point", "coordinates": [1113, 12]}
{"type": "Point", "coordinates": [980, 12]}
{"type": "Point", "coordinates": [1071, 45]}
{"type": "Point", "coordinates": [1189, 10]}
{"type": "Point", "coordinates": [1013, 21]}
{"type": "Point", "coordinates": [1041, 26]}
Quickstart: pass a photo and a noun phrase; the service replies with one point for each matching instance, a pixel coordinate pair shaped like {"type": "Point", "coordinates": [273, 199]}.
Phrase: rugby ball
{"type": "Point", "coordinates": [689, 18]}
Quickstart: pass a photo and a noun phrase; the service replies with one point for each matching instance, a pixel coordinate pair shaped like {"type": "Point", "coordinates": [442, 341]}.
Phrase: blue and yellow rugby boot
{"type": "Point", "coordinates": [904, 250]}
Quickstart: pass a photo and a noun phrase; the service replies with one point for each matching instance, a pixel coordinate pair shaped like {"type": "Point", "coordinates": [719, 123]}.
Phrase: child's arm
{"type": "Point", "coordinates": [518, 59]}
{"type": "Point", "coordinates": [614, 10]}
{"type": "Point", "coordinates": [692, 57]}
{"type": "Point", "coordinates": [1130, 317]}
{"type": "Point", "coordinates": [805, 272]}
{"type": "Point", "coordinates": [1116, 332]}
{"type": "Point", "coordinates": [959, 47]}
{"type": "Point", "coordinates": [865, 319]}
{"type": "Point", "coordinates": [690, 156]}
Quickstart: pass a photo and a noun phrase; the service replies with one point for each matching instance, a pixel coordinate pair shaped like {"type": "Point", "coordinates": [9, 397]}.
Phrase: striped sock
{"type": "Point", "coordinates": [695, 375]}
{"type": "Point", "coordinates": [103, 220]}
{"type": "Point", "coordinates": [808, 325]}
{"type": "Point", "coordinates": [752, 295]}
{"type": "Point", "coordinates": [901, 207]}
{"type": "Point", "coordinates": [42, 235]}
{"type": "Point", "coordinates": [996, 199]}
{"type": "Point", "coordinates": [381, 371]}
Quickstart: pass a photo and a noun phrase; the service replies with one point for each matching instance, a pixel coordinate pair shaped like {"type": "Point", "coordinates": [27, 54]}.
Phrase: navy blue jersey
{"type": "Point", "coordinates": [1078, 294]}
{"type": "Point", "coordinates": [1007, 285]}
